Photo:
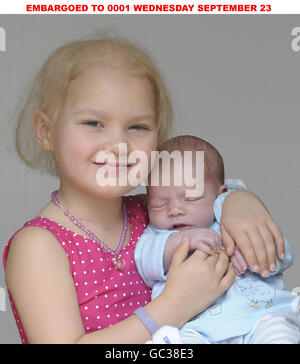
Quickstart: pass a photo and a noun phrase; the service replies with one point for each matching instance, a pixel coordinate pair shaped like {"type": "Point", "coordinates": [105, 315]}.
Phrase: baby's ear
{"type": "Point", "coordinates": [222, 189]}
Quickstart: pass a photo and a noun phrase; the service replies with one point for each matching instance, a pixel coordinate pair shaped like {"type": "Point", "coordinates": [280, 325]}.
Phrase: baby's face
{"type": "Point", "coordinates": [170, 209]}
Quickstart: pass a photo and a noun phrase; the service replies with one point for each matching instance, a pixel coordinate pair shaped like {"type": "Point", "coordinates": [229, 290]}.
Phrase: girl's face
{"type": "Point", "coordinates": [104, 107]}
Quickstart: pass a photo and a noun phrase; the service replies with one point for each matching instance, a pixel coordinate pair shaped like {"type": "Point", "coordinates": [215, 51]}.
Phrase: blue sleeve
{"type": "Point", "coordinates": [218, 204]}
{"type": "Point", "coordinates": [233, 185]}
{"type": "Point", "coordinates": [149, 254]}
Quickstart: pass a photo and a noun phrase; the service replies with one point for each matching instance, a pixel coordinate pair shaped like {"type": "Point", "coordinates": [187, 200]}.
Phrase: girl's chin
{"type": "Point", "coordinates": [113, 191]}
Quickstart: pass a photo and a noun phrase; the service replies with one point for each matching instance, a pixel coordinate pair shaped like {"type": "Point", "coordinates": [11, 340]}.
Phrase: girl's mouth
{"type": "Point", "coordinates": [113, 165]}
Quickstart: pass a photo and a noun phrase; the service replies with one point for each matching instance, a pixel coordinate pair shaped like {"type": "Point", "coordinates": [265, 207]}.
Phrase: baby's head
{"type": "Point", "coordinates": [168, 206]}
{"type": "Point", "coordinates": [68, 66]}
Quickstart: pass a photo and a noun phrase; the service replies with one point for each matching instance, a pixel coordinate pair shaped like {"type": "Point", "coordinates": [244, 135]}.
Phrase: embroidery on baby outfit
{"type": "Point", "coordinates": [259, 293]}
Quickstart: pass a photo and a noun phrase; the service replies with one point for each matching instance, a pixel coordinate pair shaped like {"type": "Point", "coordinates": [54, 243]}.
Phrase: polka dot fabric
{"type": "Point", "coordinates": [105, 295]}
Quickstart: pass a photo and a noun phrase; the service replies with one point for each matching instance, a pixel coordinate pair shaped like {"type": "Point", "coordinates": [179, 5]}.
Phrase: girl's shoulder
{"type": "Point", "coordinates": [34, 237]}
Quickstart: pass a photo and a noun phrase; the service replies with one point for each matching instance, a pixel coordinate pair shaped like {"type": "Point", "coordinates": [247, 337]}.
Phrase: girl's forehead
{"type": "Point", "coordinates": [104, 73]}
{"type": "Point", "coordinates": [110, 87]}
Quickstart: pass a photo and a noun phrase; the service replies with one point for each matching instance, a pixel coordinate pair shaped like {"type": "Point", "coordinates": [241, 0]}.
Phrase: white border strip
{"type": "Point", "coordinates": [149, 7]}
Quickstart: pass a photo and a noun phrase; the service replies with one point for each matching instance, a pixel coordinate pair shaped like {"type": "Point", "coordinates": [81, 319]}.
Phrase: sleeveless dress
{"type": "Point", "coordinates": [105, 296]}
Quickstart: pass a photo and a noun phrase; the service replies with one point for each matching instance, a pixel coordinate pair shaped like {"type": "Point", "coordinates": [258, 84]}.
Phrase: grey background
{"type": "Point", "coordinates": [234, 80]}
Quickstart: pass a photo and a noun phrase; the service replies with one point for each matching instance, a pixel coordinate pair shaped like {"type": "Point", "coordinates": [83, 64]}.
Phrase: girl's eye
{"type": "Point", "coordinates": [139, 127]}
{"type": "Point", "coordinates": [92, 123]}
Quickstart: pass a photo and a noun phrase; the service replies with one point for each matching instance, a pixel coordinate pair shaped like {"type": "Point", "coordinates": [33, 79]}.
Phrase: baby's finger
{"type": "Point", "coordinates": [236, 266]}
{"type": "Point", "coordinates": [213, 241]}
{"type": "Point", "coordinates": [241, 261]}
{"type": "Point", "coordinates": [204, 247]}
{"type": "Point", "coordinates": [278, 237]}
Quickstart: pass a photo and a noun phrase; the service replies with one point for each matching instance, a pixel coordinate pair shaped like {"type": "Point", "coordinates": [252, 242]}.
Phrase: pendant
{"type": "Point", "coordinates": [119, 263]}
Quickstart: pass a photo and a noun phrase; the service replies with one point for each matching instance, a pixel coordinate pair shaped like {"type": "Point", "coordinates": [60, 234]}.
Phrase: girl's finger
{"type": "Point", "coordinates": [257, 242]}
{"type": "Point", "coordinates": [227, 241]}
{"type": "Point", "coordinates": [221, 265]}
{"type": "Point", "coordinates": [198, 253]}
{"type": "Point", "coordinates": [270, 247]}
{"type": "Point", "coordinates": [278, 238]}
{"type": "Point", "coordinates": [181, 252]}
{"type": "Point", "coordinates": [244, 244]}
{"type": "Point", "coordinates": [227, 280]}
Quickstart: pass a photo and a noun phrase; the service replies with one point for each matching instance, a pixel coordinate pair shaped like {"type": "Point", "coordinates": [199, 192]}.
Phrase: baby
{"type": "Point", "coordinates": [255, 309]}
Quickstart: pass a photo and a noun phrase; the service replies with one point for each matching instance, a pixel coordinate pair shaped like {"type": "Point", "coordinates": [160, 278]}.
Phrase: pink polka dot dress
{"type": "Point", "coordinates": [105, 296]}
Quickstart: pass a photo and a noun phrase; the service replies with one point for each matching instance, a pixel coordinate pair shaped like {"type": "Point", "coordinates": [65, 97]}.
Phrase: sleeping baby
{"type": "Point", "coordinates": [256, 309]}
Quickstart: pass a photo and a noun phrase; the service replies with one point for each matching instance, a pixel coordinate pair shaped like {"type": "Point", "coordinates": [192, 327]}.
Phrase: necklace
{"type": "Point", "coordinates": [117, 260]}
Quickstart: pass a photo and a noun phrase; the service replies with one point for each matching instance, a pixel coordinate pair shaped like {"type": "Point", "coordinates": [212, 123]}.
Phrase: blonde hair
{"type": "Point", "coordinates": [49, 89]}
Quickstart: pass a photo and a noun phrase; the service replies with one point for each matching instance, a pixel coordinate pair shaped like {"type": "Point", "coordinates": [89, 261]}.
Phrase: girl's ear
{"type": "Point", "coordinates": [42, 127]}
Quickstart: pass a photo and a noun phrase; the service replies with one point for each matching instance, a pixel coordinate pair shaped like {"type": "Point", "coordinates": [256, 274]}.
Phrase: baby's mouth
{"type": "Point", "coordinates": [180, 227]}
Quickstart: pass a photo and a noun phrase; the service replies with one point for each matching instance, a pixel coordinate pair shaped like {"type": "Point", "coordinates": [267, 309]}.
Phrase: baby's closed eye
{"type": "Point", "coordinates": [192, 199]}
{"type": "Point", "coordinates": [158, 205]}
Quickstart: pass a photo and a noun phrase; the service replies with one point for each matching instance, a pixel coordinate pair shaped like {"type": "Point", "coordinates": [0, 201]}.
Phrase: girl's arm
{"type": "Point", "coordinates": [38, 277]}
{"type": "Point", "coordinates": [247, 224]}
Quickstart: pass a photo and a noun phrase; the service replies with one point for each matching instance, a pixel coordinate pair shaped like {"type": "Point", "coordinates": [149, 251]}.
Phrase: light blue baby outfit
{"type": "Point", "coordinates": [254, 309]}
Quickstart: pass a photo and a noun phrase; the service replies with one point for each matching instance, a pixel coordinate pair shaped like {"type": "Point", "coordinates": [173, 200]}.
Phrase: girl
{"type": "Point", "coordinates": [67, 285]}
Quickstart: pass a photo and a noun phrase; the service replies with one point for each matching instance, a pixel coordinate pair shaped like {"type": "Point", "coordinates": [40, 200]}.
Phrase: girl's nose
{"type": "Point", "coordinates": [116, 143]}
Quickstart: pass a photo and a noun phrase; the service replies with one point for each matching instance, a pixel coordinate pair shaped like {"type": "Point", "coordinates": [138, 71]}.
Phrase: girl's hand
{"type": "Point", "coordinates": [194, 283]}
{"type": "Point", "coordinates": [247, 224]}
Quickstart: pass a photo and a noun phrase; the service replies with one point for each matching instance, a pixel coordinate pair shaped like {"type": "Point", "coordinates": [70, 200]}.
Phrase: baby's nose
{"type": "Point", "coordinates": [175, 211]}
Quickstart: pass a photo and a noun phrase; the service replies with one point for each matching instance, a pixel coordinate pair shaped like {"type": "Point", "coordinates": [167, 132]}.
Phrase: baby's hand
{"type": "Point", "coordinates": [204, 239]}
{"type": "Point", "coordinates": [238, 262]}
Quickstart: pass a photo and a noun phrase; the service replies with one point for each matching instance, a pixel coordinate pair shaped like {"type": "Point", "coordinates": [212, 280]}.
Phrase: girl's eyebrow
{"type": "Point", "coordinates": [144, 117]}
{"type": "Point", "coordinates": [100, 113]}
{"type": "Point", "coordinates": [90, 112]}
